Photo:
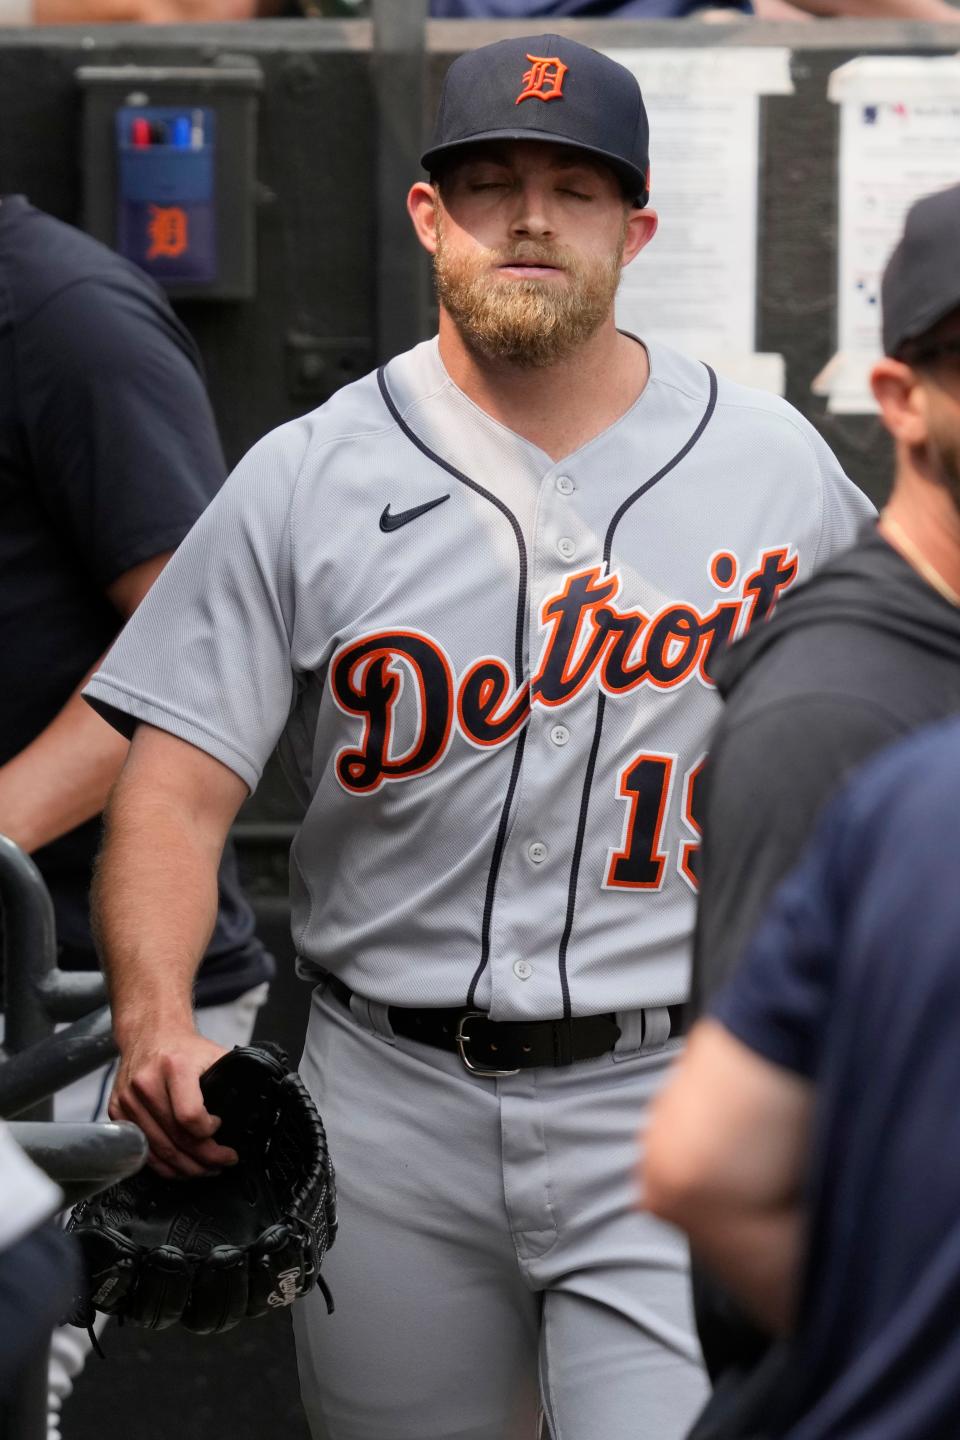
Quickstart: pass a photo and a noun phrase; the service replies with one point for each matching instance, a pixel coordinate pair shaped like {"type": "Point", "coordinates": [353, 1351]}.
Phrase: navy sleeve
{"type": "Point", "coordinates": [778, 1002]}
{"type": "Point", "coordinates": [121, 434]}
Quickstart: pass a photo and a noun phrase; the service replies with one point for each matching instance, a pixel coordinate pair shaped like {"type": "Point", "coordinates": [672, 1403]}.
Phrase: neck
{"type": "Point", "coordinates": [557, 407]}
{"type": "Point", "coordinates": [923, 514]}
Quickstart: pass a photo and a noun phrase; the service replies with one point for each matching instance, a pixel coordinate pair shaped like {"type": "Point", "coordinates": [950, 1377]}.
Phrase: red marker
{"type": "Point", "coordinates": [140, 132]}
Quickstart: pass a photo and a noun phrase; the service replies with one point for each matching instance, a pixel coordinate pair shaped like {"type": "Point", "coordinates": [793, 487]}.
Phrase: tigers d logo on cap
{"type": "Point", "coordinates": [544, 79]}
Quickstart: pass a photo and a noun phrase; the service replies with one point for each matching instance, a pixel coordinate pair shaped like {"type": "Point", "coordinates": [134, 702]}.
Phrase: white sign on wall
{"type": "Point", "coordinates": [899, 139]}
{"type": "Point", "coordinates": [695, 286]}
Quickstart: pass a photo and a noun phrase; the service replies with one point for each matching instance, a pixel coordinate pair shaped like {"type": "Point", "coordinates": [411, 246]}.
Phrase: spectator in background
{"type": "Point", "coordinates": [173, 12]}
{"type": "Point", "coordinates": [808, 1140]}
{"type": "Point", "coordinates": [39, 1269]}
{"type": "Point", "coordinates": [585, 9]}
{"type": "Point", "coordinates": [108, 454]}
{"type": "Point", "coordinates": [936, 10]}
{"type": "Point", "coordinates": [115, 12]}
{"type": "Point", "coordinates": [142, 12]}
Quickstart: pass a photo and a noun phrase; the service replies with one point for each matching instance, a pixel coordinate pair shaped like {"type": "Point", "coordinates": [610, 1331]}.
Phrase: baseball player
{"type": "Point", "coordinates": [477, 598]}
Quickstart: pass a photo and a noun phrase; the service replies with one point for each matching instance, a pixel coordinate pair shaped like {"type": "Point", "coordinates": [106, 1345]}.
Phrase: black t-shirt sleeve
{"type": "Point", "coordinates": [122, 438]}
{"type": "Point", "coordinates": [768, 777]}
{"type": "Point", "coordinates": [778, 1002]}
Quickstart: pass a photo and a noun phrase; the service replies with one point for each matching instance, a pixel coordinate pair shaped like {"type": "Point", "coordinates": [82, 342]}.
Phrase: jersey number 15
{"type": "Point", "coordinates": [646, 784]}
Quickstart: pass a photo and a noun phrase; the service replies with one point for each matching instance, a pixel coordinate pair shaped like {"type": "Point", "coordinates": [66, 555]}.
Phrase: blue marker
{"type": "Point", "coordinates": [180, 138]}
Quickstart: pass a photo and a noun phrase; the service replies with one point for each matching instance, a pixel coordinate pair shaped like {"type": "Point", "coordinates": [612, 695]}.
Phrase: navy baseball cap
{"type": "Point", "coordinates": [921, 283]}
{"type": "Point", "coordinates": [544, 87]}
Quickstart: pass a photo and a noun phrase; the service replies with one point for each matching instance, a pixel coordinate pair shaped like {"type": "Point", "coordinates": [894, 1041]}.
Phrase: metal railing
{"type": "Point", "coordinates": [57, 1029]}
{"type": "Point", "coordinates": [36, 1058]}
{"type": "Point", "coordinates": [85, 1157]}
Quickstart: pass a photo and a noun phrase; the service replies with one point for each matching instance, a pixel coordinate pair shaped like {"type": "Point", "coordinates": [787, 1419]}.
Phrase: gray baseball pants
{"type": "Point", "coordinates": [490, 1259]}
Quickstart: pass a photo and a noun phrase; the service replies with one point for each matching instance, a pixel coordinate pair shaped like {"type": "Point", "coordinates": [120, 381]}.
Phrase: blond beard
{"type": "Point", "coordinates": [529, 323]}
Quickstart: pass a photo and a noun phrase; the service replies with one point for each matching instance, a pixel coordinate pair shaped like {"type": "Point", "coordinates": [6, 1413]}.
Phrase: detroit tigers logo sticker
{"type": "Point", "coordinates": [589, 638]}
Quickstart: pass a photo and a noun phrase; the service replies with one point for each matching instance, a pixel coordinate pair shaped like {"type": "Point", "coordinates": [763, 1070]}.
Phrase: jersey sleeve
{"type": "Point", "coordinates": [206, 656]}
{"type": "Point", "coordinates": [122, 438]}
{"type": "Point", "coordinates": [845, 511]}
{"type": "Point", "coordinates": [767, 780]}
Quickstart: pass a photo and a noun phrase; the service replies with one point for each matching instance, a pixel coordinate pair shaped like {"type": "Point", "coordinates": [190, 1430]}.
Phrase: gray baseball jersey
{"type": "Point", "coordinates": [489, 673]}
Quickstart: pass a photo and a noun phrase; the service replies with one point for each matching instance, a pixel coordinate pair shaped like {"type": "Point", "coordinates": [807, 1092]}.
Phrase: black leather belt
{"type": "Point", "coordinates": [503, 1047]}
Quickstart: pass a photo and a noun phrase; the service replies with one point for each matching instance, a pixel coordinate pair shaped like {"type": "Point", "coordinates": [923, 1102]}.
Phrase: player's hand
{"type": "Point", "coordinates": [158, 1088]}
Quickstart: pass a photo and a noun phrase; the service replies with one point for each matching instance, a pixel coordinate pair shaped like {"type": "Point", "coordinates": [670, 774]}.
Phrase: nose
{"type": "Point", "coordinates": [532, 217]}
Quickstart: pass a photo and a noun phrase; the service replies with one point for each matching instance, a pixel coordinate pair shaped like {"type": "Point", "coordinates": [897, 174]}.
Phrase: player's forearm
{"type": "Point", "coordinates": [749, 1238]}
{"type": "Point", "coordinates": [60, 779]}
{"type": "Point", "coordinates": [154, 905]}
{"type": "Point", "coordinates": [725, 1158]}
{"type": "Point", "coordinates": [756, 1255]}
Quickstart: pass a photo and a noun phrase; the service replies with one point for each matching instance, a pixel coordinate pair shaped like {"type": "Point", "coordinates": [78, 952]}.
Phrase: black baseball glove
{"type": "Point", "coordinates": [208, 1252]}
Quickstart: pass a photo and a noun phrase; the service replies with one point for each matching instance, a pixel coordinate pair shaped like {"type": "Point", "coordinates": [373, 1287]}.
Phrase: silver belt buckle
{"type": "Point", "coordinates": [462, 1040]}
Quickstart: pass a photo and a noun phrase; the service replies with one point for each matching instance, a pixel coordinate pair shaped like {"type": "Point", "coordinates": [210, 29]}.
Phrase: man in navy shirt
{"type": "Point", "coordinates": [808, 1143]}
{"type": "Point", "coordinates": [108, 454]}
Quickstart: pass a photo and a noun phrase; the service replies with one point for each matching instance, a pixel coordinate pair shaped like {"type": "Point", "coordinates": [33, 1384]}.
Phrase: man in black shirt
{"type": "Point", "coordinates": [865, 653]}
{"type": "Point", "coordinates": [108, 454]}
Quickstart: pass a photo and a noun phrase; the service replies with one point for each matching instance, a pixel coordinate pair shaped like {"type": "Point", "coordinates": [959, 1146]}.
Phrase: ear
{"type": "Point", "coordinates": [423, 202]}
{"type": "Point", "coordinates": [902, 400]}
{"type": "Point", "coordinates": [641, 228]}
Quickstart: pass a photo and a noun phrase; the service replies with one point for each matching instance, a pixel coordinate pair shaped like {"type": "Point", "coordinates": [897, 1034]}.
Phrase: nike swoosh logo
{"type": "Point", "coordinates": [390, 522]}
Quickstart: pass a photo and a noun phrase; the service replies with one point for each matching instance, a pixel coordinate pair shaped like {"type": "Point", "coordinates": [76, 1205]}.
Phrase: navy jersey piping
{"type": "Point", "coordinates": [503, 825]}
{"type": "Point", "coordinates": [601, 699]}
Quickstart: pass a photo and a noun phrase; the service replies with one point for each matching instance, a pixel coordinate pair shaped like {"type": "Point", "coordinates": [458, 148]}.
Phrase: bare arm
{"type": "Point", "coordinates": [154, 905]}
{"type": "Point", "coordinates": [144, 12]}
{"type": "Point", "coordinates": [726, 1155]}
{"type": "Point", "coordinates": [938, 11]}
{"type": "Point", "coordinates": [779, 10]}
{"type": "Point", "coordinates": [63, 777]}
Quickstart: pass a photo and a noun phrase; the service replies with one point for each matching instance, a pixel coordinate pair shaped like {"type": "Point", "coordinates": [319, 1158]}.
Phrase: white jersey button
{"type": "Point", "coordinates": [559, 734]}
{"type": "Point", "coordinates": [565, 485]}
{"type": "Point", "coordinates": [537, 852]}
{"type": "Point", "coordinates": [566, 548]}
{"type": "Point", "coordinates": [522, 969]}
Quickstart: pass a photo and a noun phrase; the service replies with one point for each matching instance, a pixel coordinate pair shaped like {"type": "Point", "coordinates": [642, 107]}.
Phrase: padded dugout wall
{"type": "Point", "coordinates": [317, 210]}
